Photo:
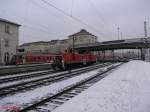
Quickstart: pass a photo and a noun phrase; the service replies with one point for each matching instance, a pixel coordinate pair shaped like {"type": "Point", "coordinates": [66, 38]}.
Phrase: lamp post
{"type": "Point", "coordinates": [118, 32]}
{"type": "Point", "coordinates": [72, 52]}
{"type": "Point", "coordinates": [1, 51]}
{"type": "Point", "coordinates": [73, 39]}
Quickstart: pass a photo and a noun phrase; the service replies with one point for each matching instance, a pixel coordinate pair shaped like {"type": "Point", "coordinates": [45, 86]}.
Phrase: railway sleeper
{"type": "Point", "coordinates": [77, 91]}
{"type": "Point", "coordinates": [73, 93]}
{"type": "Point", "coordinates": [63, 98]}
{"type": "Point", "coordinates": [56, 102]}
{"type": "Point", "coordinates": [41, 109]}
{"type": "Point", "coordinates": [67, 95]}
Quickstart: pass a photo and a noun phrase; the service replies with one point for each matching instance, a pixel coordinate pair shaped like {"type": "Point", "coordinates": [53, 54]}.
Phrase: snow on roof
{"type": "Point", "coordinates": [124, 90]}
{"type": "Point", "coordinates": [27, 97]}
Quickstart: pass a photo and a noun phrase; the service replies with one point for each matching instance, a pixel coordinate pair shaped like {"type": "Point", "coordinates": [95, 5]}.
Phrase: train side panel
{"type": "Point", "coordinates": [30, 59]}
{"type": "Point", "coordinates": [71, 60]}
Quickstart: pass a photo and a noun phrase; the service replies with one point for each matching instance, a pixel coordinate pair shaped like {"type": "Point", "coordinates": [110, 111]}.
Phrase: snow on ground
{"type": "Point", "coordinates": [27, 97]}
{"type": "Point", "coordinates": [127, 89]}
{"type": "Point", "coordinates": [29, 79]}
{"type": "Point", "coordinates": [33, 78]}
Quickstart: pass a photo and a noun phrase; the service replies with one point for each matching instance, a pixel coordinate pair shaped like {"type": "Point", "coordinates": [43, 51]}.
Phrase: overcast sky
{"type": "Point", "coordinates": [102, 17]}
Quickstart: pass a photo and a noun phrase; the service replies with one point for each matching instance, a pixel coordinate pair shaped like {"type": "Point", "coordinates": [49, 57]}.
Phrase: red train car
{"type": "Point", "coordinates": [34, 58]}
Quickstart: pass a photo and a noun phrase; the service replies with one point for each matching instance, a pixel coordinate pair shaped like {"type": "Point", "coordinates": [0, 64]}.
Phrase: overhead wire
{"type": "Point", "coordinates": [72, 4]}
{"type": "Point", "coordinates": [56, 16]}
{"type": "Point", "coordinates": [72, 17]}
{"type": "Point", "coordinates": [26, 23]}
{"type": "Point", "coordinates": [98, 13]}
{"type": "Point", "coordinates": [39, 5]}
{"type": "Point", "coordinates": [38, 27]}
{"type": "Point", "coordinates": [43, 31]}
{"type": "Point", "coordinates": [43, 28]}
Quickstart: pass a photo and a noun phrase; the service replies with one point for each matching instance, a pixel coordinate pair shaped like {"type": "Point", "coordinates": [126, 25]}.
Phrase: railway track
{"type": "Point", "coordinates": [52, 101]}
{"type": "Point", "coordinates": [32, 84]}
{"type": "Point", "coordinates": [16, 77]}
{"type": "Point", "coordinates": [8, 70]}
{"type": "Point", "coordinates": [29, 75]}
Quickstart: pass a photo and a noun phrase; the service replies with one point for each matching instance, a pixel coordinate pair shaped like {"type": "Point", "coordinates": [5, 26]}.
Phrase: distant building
{"type": "Point", "coordinates": [82, 37]}
{"type": "Point", "coordinates": [9, 33]}
{"type": "Point", "coordinates": [57, 46]}
{"type": "Point", "coordinates": [34, 47]}
{"type": "Point", "coordinates": [53, 46]}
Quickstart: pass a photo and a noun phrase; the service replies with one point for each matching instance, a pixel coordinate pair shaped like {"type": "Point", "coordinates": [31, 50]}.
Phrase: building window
{"type": "Point", "coordinates": [6, 43]}
{"type": "Point", "coordinates": [6, 58]}
{"type": "Point", "coordinates": [7, 28]}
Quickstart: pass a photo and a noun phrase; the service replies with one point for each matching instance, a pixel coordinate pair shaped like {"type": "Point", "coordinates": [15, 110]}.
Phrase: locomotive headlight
{"type": "Point", "coordinates": [52, 61]}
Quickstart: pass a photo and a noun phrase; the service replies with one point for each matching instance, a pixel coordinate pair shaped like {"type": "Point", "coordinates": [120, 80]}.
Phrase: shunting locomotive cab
{"type": "Point", "coordinates": [70, 59]}
{"type": "Point", "coordinates": [58, 63]}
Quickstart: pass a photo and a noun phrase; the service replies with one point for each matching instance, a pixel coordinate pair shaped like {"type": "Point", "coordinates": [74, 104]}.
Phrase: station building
{"type": "Point", "coordinates": [82, 37]}
{"type": "Point", "coordinates": [9, 34]}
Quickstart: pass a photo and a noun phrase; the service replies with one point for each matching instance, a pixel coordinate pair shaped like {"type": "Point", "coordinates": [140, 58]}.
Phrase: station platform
{"type": "Point", "coordinates": [124, 90]}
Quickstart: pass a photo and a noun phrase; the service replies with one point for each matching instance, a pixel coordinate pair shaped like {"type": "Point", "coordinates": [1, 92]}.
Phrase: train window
{"type": "Point", "coordinates": [20, 57]}
{"type": "Point", "coordinates": [34, 58]}
{"type": "Point", "coordinates": [73, 56]}
{"type": "Point", "coordinates": [44, 58]}
{"type": "Point", "coordinates": [26, 58]}
{"type": "Point", "coordinates": [39, 58]}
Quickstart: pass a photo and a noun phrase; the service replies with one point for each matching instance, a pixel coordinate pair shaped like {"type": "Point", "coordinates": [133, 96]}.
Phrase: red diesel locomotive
{"type": "Point", "coordinates": [68, 60]}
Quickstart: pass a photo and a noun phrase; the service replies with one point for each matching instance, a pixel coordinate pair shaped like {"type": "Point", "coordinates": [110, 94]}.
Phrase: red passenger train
{"type": "Point", "coordinates": [34, 58]}
{"type": "Point", "coordinates": [58, 61]}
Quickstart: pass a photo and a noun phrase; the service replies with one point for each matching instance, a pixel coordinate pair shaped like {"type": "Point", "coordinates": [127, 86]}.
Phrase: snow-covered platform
{"type": "Point", "coordinates": [127, 89]}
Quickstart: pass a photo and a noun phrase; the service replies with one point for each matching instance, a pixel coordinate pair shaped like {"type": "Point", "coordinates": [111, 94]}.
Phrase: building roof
{"type": "Point", "coordinates": [52, 42]}
{"type": "Point", "coordinates": [34, 43]}
{"type": "Point", "coordinates": [6, 21]}
{"type": "Point", "coordinates": [82, 32]}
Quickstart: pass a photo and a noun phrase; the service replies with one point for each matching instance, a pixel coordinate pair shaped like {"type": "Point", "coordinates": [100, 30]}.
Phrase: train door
{"type": "Point", "coordinates": [23, 60]}
{"type": "Point", "coordinates": [57, 63]}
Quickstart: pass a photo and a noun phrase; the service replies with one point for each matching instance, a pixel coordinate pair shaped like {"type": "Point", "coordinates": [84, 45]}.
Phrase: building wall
{"type": "Point", "coordinates": [8, 41]}
{"type": "Point", "coordinates": [39, 47]}
{"type": "Point", "coordinates": [82, 39]}
{"type": "Point", "coordinates": [45, 47]}
{"type": "Point", "coordinates": [36, 48]}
